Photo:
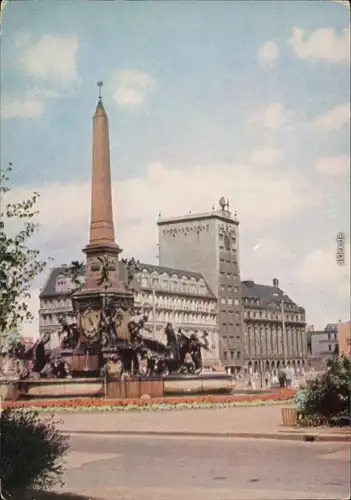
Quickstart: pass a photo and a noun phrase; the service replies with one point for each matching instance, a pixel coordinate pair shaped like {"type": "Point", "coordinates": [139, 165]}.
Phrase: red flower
{"type": "Point", "coordinates": [279, 395]}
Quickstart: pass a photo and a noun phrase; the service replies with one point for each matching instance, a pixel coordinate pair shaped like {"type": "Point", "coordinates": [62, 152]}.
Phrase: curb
{"type": "Point", "coordinates": [286, 436]}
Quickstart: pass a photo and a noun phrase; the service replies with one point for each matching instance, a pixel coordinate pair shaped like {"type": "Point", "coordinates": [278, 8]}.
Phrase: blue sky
{"type": "Point", "coordinates": [246, 99]}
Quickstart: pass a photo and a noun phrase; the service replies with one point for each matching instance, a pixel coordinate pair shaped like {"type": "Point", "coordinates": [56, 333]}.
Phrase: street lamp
{"type": "Point", "coordinates": [153, 290]}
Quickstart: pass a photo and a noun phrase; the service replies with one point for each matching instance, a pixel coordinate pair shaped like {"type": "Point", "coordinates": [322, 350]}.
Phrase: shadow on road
{"type": "Point", "coordinates": [47, 495]}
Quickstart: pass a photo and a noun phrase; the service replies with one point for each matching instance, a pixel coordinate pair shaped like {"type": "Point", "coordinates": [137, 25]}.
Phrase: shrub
{"type": "Point", "coordinates": [326, 400]}
{"type": "Point", "coordinates": [31, 451]}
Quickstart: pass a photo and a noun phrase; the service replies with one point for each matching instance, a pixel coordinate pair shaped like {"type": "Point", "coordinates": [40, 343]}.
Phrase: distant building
{"type": "Point", "coordinates": [344, 338]}
{"type": "Point", "coordinates": [324, 344]}
{"type": "Point", "coordinates": [275, 328]}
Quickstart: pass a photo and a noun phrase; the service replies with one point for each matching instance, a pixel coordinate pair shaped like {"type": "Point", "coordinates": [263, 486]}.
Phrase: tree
{"type": "Point", "coordinates": [19, 263]}
{"type": "Point", "coordinates": [32, 451]}
{"type": "Point", "coordinates": [326, 400]}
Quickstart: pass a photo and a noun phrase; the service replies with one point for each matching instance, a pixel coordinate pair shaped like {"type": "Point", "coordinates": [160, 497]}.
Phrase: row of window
{"type": "Point", "coordinates": [230, 301]}
{"type": "Point", "coordinates": [174, 285]}
{"type": "Point", "coordinates": [63, 303]}
{"type": "Point", "coordinates": [230, 323]}
{"type": "Point", "coordinates": [181, 317]}
{"type": "Point", "coordinates": [176, 302]}
{"type": "Point", "coordinates": [228, 288]}
{"type": "Point", "coordinates": [272, 315]}
{"type": "Point", "coordinates": [231, 355]}
{"type": "Point", "coordinates": [229, 274]}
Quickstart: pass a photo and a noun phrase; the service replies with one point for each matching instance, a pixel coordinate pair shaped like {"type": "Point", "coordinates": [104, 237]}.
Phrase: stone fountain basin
{"type": "Point", "coordinates": [131, 387]}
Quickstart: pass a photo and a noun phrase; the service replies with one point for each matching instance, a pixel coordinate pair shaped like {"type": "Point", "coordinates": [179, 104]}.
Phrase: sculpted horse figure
{"type": "Point", "coordinates": [70, 334]}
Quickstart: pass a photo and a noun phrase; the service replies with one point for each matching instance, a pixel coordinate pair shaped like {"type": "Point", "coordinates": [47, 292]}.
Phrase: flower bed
{"type": "Point", "coordinates": [100, 404]}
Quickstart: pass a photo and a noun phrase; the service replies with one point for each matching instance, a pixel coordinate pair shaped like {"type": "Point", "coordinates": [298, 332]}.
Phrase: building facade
{"type": "Point", "coordinates": [344, 338]}
{"type": "Point", "coordinates": [208, 244]}
{"type": "Point", "coordinates": [324, 343]}
{"type": "Point", "coordinates": [275, 328]}
{"type": "Point", "coordinates": [165, 295]}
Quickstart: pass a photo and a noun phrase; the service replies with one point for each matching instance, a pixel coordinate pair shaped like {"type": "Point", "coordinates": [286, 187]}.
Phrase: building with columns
{"type": "Point", "coordinates": [275, 328]}
{"type": "Point", "coordinates": [165, 295]}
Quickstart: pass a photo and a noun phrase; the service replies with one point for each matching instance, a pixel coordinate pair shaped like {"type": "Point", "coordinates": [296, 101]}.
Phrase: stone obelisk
{"type": "Point", "coordinates": [102, 246]}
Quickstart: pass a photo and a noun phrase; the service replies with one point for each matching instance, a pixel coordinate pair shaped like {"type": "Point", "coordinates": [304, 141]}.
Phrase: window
{"type": "Point", "coordinates": [222, 301]}
{"type": "Point", "coordinates": [328, 336]}
{"type": "Point", "coordinates": [230, 302]}
{"type": "Point", "coordinates": [225, 354]}
{"type": "Point", "coordinates": [236, 302]}
{"type": "Point", "coordinates": [232, 353]}
{"type": "Point", "coordinates": [329, 347]}
{"type": "Point", "coordinates": [236, 289]}
{"type": "Point", "coordinates": [238, 354]}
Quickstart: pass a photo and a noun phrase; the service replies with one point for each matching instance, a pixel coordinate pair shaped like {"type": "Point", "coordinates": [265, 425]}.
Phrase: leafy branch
{"type": "Point", "coordinates": [19, 263]}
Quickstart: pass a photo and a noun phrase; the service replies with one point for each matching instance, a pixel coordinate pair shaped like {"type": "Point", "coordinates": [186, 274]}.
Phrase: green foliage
{"type": "Point", "coordinates": [19, 264]}
{"type": "Point", "coordinates": [326, 400]}
{"type": "Point", "coordinates": [31, 451]}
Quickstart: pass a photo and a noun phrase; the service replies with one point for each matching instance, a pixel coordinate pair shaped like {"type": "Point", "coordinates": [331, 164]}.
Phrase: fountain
{"type": "Point", "coordinates": [104, 351]}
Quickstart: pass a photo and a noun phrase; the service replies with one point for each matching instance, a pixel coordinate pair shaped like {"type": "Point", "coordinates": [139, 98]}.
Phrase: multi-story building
{"type": "Point", "coordinates": [275, 328]}
{"type": "Point", "coordinates": [208, 244]}
{"type": "Point", "coordinates": [165, 295]}
{"type": "Point", "coordinates": [344, 338]}
{"type": "Point", "coordinates": [324, 343]}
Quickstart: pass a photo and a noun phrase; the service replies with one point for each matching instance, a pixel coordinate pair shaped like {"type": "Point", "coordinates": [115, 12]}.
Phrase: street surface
{"type": "Point", "coordinates": [155, 468]}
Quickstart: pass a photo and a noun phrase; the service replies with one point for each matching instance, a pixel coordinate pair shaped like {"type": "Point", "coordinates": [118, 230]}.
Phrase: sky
{"type": "Point", "coordinates": [246, 100]}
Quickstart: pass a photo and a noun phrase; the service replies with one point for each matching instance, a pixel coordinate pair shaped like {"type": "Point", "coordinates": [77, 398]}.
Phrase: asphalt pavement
{"type": "Point", "coordinates": [155, 468]}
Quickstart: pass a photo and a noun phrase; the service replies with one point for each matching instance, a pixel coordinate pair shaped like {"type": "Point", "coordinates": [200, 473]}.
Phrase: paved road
{"type": "Point", "coordinates": [134, 468]}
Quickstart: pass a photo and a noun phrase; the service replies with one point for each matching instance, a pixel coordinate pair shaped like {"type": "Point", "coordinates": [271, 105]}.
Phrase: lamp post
{"type": "Point", "coordinates": [153, 290]}
{"type": "Point", "coordinates": [283, 331]}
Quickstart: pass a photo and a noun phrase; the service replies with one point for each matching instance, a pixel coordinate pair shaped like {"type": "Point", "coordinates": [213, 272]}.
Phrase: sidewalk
{"type": "Point", "coordinates": [263, 422]}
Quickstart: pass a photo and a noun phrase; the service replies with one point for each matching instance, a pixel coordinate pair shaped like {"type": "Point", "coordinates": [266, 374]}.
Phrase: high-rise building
{"type": "Point", "coordinates": [208, 243]}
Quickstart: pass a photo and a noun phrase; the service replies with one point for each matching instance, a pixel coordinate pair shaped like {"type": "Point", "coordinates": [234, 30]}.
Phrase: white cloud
{"type": "Point", "coordinates": [267, 156]}
{"type": "Point", "coordinates": [323, 44]}
{"type": "Point", "coordinates": [132, 87]}
{"type": "Point", "coordinates": [335, 119]}
{"type": "Point", "coordinates": [52, 58]}
{"type": "Point", "coordinates": [261, 197]}
{"type": "Point", "coordinates": [274, 116]}
{"type": "Point", "coordinates": [268, 54]}
{"type": "Point", "coordinates": [334, 165]}
{"type": "Point", "coordinates": [320, 269]}
{"type": "Point", "coordinates": [27, 108]}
